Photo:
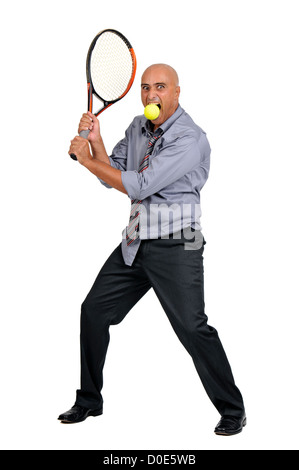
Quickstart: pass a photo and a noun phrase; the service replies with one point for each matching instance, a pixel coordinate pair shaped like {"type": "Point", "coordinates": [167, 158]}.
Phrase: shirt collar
{"type": "Point", "coordinates": [146, 126]}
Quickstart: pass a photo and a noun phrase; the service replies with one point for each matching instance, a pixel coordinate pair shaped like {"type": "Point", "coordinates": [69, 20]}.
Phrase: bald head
{"type": "Point", "coordinates": [160, 85]}
{"type": "Point", "coordinates": [167, 69]}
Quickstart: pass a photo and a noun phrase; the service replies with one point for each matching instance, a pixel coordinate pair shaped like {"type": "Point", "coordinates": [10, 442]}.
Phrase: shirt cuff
{"type": "Point", "coordinates": [131, 184]}
{"type": "Point", "coordinates": [113, 164]}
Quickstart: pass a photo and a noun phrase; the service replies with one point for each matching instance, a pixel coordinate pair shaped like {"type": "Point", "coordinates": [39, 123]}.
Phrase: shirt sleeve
{"type": "Point", "coordinates": [174, 160]}
{"type": "Point", "coordinates": [118, 158]}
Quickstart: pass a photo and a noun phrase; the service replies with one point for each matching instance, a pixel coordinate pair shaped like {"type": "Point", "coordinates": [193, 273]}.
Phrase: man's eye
{"type": "Point", "coordinates": [145, 88]}
{"type": "Point", "coordinates": [160, 87]}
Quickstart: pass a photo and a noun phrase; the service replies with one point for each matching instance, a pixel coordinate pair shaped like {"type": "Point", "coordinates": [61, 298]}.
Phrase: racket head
{"type": "Point", "coordinates": [110, 68]}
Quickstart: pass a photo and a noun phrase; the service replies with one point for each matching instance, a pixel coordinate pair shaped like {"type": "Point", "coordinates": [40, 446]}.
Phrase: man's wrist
{"type": "Point", "coordinates": [96, 146]}
{"type": "Point", "coordinates": [87, 163]}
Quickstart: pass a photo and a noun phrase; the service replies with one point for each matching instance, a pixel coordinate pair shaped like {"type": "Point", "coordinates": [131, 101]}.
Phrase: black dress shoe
{"type": "Point", "coordinates": [230, 425]}
{"type": "Point", "coordinates": [78, 413]}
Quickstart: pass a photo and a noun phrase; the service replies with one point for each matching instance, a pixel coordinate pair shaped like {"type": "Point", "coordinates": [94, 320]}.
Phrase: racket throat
{"type": "Point", "coordinates": [95, 102]}
{"type": "Point", "coordinates": [89, 97]}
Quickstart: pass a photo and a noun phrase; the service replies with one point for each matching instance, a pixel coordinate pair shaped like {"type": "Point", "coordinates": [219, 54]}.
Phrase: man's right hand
{"type": "Point", "coordinates": [90, 121]}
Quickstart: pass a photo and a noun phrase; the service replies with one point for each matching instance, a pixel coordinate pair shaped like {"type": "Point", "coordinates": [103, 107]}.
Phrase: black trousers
{"type": "Point", "coordinates": [176, 275]}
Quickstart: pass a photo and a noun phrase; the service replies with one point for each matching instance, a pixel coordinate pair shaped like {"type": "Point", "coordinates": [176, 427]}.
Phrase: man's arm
{"type": "Point", "coordinates": [107, 173]}
{"type": "Point", "coordinates": [98, 162]}
{"type": "Point", "coordinates": [80, 147]}
{"type": "Point", "coordinates": [175, 160]}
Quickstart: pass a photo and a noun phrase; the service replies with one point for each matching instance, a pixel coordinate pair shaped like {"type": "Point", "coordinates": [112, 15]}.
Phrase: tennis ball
{"type": "Point", "coordinates": [151, 111]}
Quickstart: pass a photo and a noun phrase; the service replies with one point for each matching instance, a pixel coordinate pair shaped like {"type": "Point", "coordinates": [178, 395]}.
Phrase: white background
{"type": "Point", "coordinates": [238, 67]}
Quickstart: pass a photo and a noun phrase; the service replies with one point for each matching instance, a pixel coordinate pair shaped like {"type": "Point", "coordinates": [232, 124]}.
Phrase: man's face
{"type": "Point", "coordinates": [159, 84]}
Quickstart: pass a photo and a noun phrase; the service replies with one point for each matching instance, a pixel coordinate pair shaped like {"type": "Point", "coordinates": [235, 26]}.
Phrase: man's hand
{"type": "Point", "coordinates": [80, 147]}
{"type": "Point", "coordinates": [90, 121]}
{"type": "Point", "coordinates": [98, 162]}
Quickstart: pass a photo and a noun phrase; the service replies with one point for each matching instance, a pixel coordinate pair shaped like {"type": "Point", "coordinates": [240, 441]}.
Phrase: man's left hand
{"type": "Point", "coordinates": [80, 147]}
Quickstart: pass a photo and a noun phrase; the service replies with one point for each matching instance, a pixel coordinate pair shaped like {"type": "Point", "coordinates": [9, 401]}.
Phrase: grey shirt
{"type": "Point", "coordinates": [170, 187]}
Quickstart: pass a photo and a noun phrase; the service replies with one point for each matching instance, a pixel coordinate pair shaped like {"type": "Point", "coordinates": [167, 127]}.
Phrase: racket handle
{"type": "Point", "coordinates": [83, 134]}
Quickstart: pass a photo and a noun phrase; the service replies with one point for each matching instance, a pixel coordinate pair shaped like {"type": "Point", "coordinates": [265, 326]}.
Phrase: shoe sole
{"type": "Point", "coordinates": [91, 413]}
{"type": "Point", "coordinates": [219, 433]}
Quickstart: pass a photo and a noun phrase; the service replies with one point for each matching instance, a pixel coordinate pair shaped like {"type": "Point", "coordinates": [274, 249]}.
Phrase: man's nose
{"type": "Point", "coordinates": [152, 96]}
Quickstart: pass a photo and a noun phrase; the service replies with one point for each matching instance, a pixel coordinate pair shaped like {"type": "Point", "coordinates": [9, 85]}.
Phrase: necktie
{"type": "Point", "coordinates": [133, 227]}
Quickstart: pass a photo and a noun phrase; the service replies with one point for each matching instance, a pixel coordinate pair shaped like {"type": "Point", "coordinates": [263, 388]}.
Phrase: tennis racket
{"type": "Point", "coordinates": [110, 71]}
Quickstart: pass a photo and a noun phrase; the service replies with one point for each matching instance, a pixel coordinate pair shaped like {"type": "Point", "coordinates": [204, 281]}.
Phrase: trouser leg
{"type": "Point", "coordinates": [115, 291]}
{"type": "Point", "coordinates": [178, 280]}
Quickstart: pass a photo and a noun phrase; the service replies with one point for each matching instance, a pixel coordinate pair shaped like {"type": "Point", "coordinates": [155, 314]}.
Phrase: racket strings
{"type": "Point", "coordinates": [111, 66]}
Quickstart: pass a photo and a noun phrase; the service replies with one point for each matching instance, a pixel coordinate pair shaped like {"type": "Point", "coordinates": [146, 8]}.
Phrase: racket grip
{"type": "Point", "coordinates": [83, 134]}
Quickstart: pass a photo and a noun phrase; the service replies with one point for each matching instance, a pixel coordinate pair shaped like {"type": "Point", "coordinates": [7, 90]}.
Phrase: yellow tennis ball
{"type": "Point", "coordinates": [151, 111]}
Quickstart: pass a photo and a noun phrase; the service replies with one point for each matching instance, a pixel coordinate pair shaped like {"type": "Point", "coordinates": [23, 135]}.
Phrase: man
{"type": "Point", "coordinates": [162, 166]}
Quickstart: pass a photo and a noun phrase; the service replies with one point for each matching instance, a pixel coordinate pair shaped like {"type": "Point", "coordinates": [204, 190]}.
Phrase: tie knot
{"type": "Point", "coordinates": [154, 137]}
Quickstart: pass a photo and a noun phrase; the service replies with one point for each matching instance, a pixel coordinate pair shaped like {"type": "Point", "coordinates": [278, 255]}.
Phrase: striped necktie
{"type": "Point", "coordinates": [132, 231]}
